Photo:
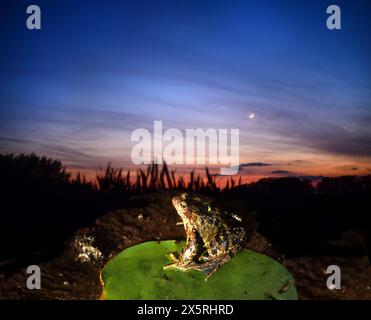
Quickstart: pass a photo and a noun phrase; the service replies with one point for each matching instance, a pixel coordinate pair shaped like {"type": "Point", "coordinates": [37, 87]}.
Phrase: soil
{"type": "Point", "coordinates": [66, 277]}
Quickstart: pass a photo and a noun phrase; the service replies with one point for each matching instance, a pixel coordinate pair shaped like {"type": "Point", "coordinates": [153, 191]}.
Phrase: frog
{"type": "Point", "coordinates": [213, 235]}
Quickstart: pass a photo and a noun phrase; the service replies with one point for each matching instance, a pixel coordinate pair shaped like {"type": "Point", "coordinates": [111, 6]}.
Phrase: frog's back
{"type": "Point", "coordinates": [208, 225]}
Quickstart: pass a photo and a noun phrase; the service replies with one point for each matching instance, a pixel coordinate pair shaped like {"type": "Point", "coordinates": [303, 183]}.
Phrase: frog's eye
{"type": "Point", "coordinates": [184, 196]}
{"type": "Point", "coordinates": [183, 205]}
{"type": "Point", "coordinates": [207, 206]}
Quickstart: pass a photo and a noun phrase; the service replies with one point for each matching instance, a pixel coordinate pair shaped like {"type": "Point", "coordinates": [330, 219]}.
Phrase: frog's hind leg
{"type": "Point", "coordinates": [211, 265]}
{"type": "Point", "coordinates": [208, 268]}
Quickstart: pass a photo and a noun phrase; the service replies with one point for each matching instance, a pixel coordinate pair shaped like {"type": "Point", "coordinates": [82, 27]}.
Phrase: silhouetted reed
{"type": "Point", "coordinates": [156, 177]}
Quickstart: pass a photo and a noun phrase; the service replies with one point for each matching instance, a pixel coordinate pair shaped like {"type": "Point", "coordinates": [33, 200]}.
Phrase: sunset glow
{"type": "Point", "coordinates": [78, 96]}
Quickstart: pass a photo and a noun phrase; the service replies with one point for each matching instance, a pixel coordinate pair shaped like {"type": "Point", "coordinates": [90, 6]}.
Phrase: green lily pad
{"type": "Point", "coordinates": [137, 273]}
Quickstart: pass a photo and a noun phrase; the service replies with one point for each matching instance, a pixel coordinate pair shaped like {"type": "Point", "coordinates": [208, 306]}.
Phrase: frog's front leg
{"type": "Point", "coordinates": [189, 253]}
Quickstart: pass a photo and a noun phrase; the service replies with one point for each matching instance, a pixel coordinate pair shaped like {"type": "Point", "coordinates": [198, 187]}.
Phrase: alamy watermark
{"type": "Point", "coordinates": [34, 280]}
{"type": "Point", "coordinates": [196, 146]}
{"type": "Point", "coordinates": [334, 280]}
{"type": "Point", "coordinates": [33, 21]}
{"type": "Point", "coordinates": [333, 22]}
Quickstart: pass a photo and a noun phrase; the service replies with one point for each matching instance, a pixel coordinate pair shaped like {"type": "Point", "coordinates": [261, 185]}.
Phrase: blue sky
{"type": "Point", "coordinates": [97, 70]}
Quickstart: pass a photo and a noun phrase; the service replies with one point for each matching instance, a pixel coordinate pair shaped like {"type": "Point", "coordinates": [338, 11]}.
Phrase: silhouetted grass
{"type": "Point", "coordinates": [156, 177]}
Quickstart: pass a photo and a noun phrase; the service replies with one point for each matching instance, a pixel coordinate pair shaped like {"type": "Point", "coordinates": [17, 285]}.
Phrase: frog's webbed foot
{"type": "Point", "coordinates": [170, 266]}
{"type": "Point", "coordinates": [180, 266]}
{"type": "Point", "coordinates": [174, 260]}
{"type": "Point", "coordinates": [179, 263]}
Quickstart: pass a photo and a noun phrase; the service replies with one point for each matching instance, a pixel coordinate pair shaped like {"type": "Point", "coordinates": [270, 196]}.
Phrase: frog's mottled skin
{"type": "Point", "coordinates": [211, 239]}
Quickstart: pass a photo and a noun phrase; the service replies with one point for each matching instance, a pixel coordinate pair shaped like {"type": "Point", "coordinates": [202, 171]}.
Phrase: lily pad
{"type": "Point", "coordinates": [137, 273]}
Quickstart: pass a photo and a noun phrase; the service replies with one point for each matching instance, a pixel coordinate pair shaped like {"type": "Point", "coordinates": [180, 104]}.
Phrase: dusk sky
{"type": "Point", "coordinates": [97, 70]}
